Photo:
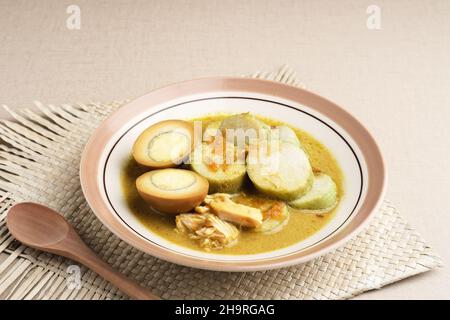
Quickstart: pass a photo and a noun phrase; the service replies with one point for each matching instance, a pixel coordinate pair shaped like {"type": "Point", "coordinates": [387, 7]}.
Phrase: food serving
{"type": "Point", "coordinates": [231, 183]}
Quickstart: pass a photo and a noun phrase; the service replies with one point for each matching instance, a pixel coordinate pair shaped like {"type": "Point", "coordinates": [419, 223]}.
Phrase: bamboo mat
{"type": "Point", "coordinates": [39, 161]}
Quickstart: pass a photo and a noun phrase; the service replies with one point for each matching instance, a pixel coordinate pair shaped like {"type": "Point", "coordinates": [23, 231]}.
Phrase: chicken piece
{"type": "Point", "coordinates": [228, 210]}
{"type": "Point", "coordinates": [208, 229]}
{"type": "Point", "coordinates": [275, 213]}
{"type": "Point", "coordinates": [217, 196]}
{"type": "Point", "coordinates": [201, 209]}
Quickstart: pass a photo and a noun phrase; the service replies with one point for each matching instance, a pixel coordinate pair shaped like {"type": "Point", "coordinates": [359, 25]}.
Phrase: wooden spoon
{"type": "Point", "coordinates": [42, 228]}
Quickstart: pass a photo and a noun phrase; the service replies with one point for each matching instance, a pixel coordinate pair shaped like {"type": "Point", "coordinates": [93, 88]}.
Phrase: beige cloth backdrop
{"type": "Point", "coordinates": [396, 80]}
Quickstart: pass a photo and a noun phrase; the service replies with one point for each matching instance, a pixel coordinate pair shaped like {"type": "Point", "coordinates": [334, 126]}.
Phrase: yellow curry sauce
{"type": "Point", "coordinates": [299, 227]}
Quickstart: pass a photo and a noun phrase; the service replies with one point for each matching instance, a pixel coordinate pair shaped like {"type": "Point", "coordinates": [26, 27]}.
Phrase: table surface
{"type": "Point", "coordinates": [395, 79]}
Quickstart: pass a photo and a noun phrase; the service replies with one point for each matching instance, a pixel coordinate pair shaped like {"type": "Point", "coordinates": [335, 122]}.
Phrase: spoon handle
{"type": "Point", "coordinates": [77, 250]}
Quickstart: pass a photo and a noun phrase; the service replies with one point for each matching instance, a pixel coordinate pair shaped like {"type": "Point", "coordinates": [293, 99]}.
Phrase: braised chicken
{"type": "Point", "coordinates": [209, 230]}
{"type": "Point", "coordinates": [228, 210]}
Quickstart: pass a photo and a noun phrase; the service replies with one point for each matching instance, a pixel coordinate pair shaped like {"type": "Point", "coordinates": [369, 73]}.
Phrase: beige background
{"type": "Point", "coordinates": [396, 80]}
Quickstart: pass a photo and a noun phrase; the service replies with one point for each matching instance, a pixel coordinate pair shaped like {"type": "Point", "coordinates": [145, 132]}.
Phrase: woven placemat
{"type": "Point", "coordinates": [39, 161]}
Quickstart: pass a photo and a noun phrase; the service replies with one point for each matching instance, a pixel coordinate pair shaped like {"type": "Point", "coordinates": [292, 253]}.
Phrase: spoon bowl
{"type": "Point", "coordinates": [36, 225]}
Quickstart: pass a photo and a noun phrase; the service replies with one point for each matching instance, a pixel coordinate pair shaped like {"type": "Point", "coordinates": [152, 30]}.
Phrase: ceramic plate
{"type": "Point", "coordinates": [352, 145]}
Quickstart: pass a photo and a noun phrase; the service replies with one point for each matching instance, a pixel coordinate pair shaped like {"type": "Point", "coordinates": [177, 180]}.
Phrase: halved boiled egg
{"type": "Point", "coordinates": [172, 190]}
{"type": "Point", "coordinates": [164, 144]}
